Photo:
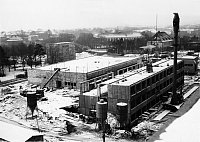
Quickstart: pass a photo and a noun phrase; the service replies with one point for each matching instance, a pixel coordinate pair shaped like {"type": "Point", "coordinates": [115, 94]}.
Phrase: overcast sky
{"type": "Point", "coordinates": [67, 14]}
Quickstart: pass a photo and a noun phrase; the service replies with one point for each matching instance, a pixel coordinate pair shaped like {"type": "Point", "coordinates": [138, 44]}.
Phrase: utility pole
{"type": "Point", "coordinates": [175, 98]}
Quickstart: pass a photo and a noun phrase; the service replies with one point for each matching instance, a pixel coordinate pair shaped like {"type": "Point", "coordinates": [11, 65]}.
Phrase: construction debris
{"type": "Point", "coordinates": [145, 127]}
{"type": "Point", "coordinates": [122, 134]}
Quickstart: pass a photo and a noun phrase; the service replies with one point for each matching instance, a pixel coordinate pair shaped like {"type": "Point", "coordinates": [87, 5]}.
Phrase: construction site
{"type": "Point", "coordinates": [100, 98]}
{"type": "Point", "coordinates": [132, 101]}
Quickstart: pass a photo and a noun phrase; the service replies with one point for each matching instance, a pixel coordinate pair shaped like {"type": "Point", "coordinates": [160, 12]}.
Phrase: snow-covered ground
{"type": "Point", "coordinates": [51, 119]}
{"type": "Point", "coordinates": [11, 74]}
{"type": "Point", "coordinates": [184, 129]}
{"type": "Point", "coordinates": [56, 100]}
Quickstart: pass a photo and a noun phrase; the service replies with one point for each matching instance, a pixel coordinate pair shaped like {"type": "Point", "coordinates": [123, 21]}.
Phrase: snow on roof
{"type": "Point", "coordinates": [12, 40]}
{"type": "Point", "coordinates": [58, 43]}
{"type": "Point", "coordinates": [93, 92]}
{"type": "Point", "coordinates": [187, 57]}
{"type": "Point", "coordinates": [141, 73]}
{"type": "Point", "coordinates": [133, 35]}
{"type": "Point", "coordinates": [162, 36]}
{"type": "Point", "coordinates": [88, 64]}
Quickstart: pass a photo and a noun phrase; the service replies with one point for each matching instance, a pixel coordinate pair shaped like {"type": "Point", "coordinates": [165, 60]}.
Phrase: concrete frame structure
{"type": "Point", "coordinates": [138, 88]}
{"type": "Point", "coordinates": [143, 90]}
{"type": "Point", "coordinates": [87, 71]}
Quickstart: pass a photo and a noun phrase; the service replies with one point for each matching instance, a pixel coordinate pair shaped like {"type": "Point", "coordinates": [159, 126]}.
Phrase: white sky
{"type": "Point", "coordinates": [67, 14]}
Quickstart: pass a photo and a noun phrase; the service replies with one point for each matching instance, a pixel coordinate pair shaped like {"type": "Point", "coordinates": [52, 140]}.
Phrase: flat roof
{"type": "Point", "coordinates": [58, 43]}
{"type": "Point", "coordinates": [187, 57]}
{"type": "Point", "coordinates": [89, 64]}
{"type": "Point", "coordinates": [141, 73]}
{"type": "Point", "coordinates": [133, 35]}
{"type": "Point", "coordinates": [14, 40]}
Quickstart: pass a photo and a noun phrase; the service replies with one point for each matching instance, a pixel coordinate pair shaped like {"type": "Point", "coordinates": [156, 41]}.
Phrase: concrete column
{"type": "Point", "coordinates": [113, 75]}
{"type": "Point", "coordinates": [95, 82]}
{"type": "Point", "coordinates": [81, 88]}
{"type": "Point", "coordinates": [98, 90]}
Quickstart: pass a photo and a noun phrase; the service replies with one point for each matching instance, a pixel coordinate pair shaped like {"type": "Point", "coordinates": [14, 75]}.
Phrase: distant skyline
{"type": "Point", "coordinates": [72, 14]}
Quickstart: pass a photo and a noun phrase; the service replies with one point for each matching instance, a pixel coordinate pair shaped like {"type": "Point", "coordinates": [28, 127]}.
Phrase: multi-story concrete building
{"type": "Point", "coordinates": [141, 89]}
{"type": "Point", "coordinates": [60, 52]}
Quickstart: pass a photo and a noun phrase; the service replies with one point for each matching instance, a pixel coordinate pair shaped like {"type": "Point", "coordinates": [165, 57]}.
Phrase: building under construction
{"type": "Point", "coordinates": [87, 71]}
{"type": "Point", "coordinates": [141, 89]}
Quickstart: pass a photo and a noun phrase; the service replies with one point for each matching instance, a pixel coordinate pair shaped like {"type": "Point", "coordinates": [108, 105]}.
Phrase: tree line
{"type": "Point", "coordinates": [115, 45]}
{"type": "Point", "coordinates": [21, 53]}
{"type": "Point", "coordinates": [31, 54]}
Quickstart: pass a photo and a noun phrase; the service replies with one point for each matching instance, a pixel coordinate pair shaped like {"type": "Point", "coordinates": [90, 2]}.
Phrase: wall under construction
{"type": "Point", "coordinates": [61, 79]}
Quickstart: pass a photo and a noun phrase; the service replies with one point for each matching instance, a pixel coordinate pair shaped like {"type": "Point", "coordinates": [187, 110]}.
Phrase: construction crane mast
{"type": "Point", "coordinates": [176, 98]}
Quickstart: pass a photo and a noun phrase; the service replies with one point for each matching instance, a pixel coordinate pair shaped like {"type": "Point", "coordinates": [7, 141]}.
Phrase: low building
{"type": "Point", "coordinates": [124, 36]}
{"type": "Point", "coordinates": [14, 40]}
{"type": "Point", "coordinates": [85, 73]}
{"type": "Point", "coordinates": [190, 64]}
{"type": "Point", "coordinates": [60, 52]}
{"type": "Point", "coordinates": [122, 43]}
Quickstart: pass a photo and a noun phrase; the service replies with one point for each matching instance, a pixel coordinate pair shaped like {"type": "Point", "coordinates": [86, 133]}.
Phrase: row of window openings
{"type": "Point", "coordinates": [128, 69]}
{"type": "Point", "coordinates": [145, 108]}
{"type": "Point", "coordinates": [70, 84]}
{"type": "Point", "coordinates": [189, 65]}
{"type": "Point", "coordinates": [137, 100]}
{"type": "Point", "coordinates": [141, 86]}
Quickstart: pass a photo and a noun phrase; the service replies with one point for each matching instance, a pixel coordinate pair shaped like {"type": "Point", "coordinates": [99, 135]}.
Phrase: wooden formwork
{"type": "Point", "coordinates": [82, 110]}
{"type": "Point", "coordinates": [118, 92]}
{"type": "Point", "coordinates": [112, 105]}
{"type": "Point", "coordinates": [110, 91]}
{"type": "Point", "coordinates": [81, 101]}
